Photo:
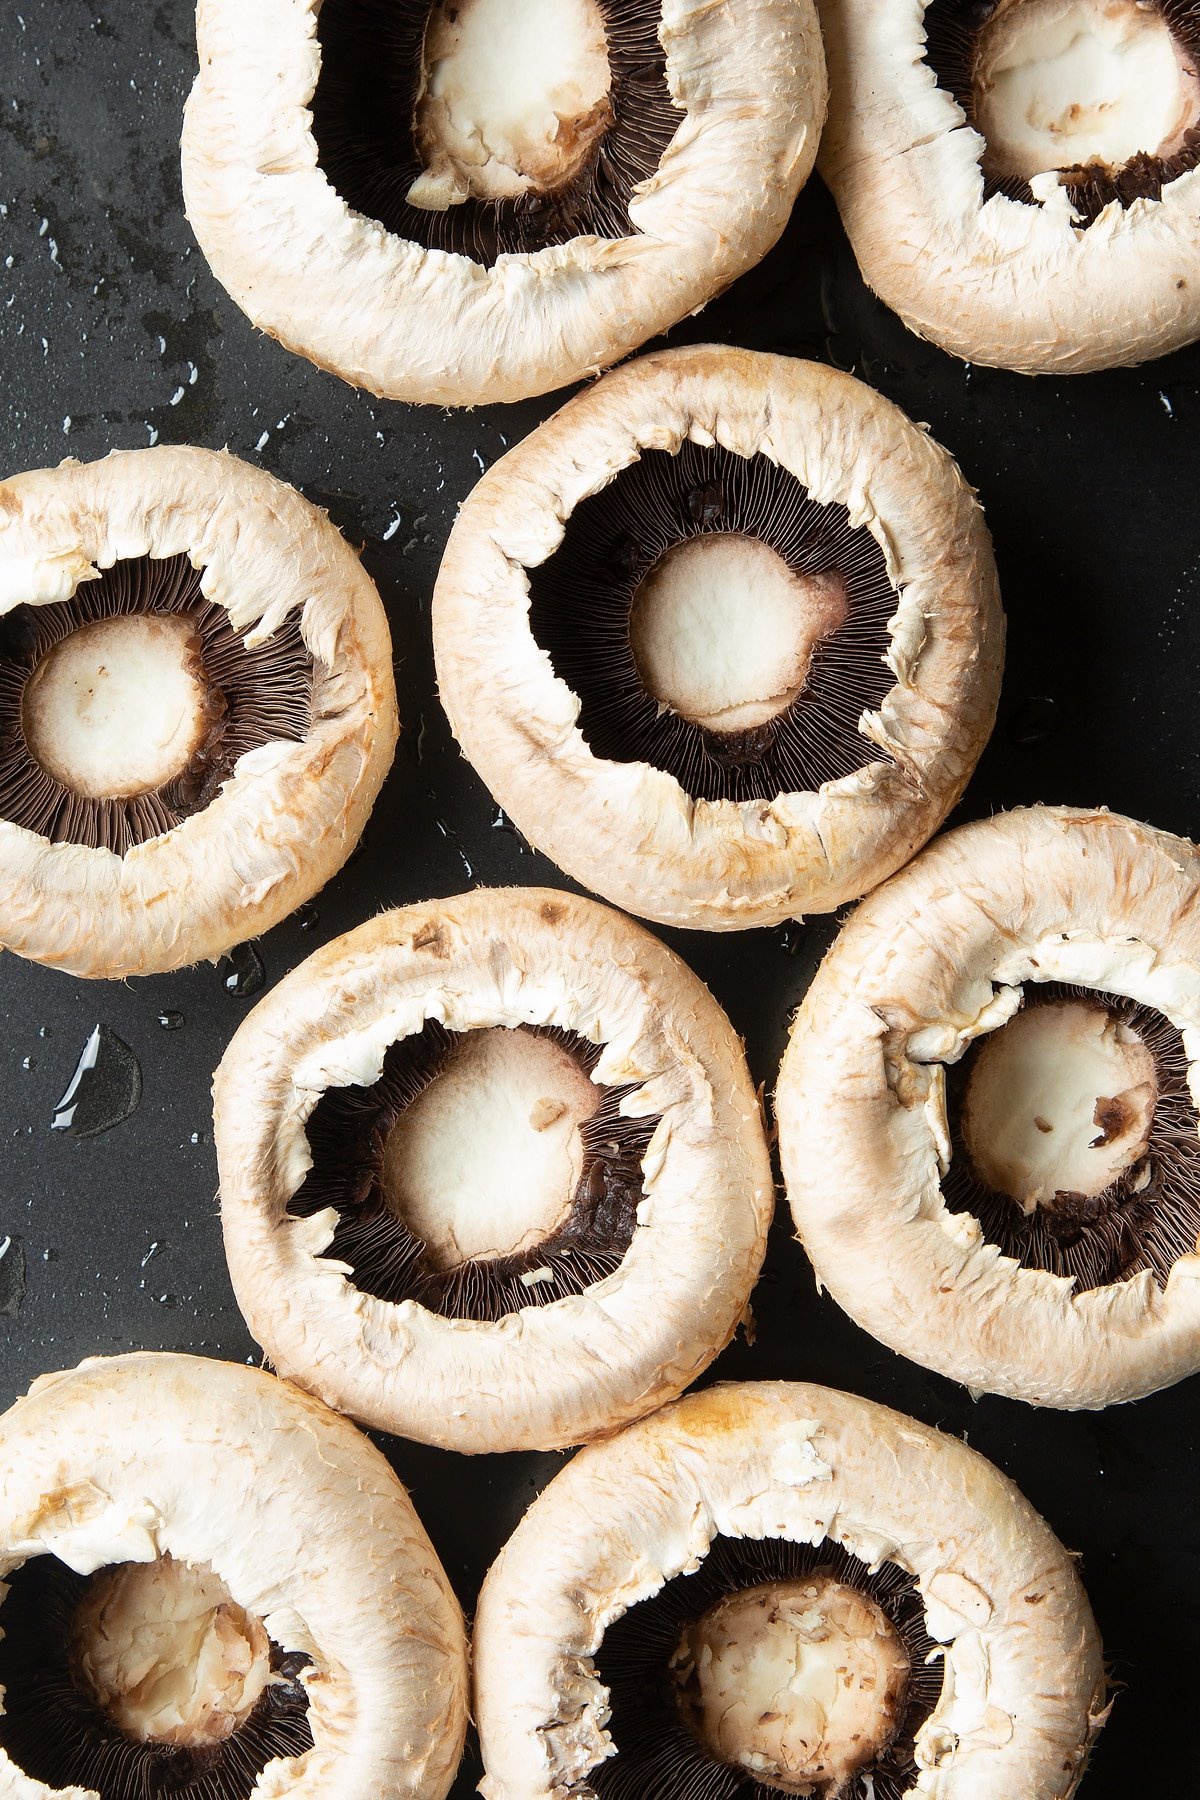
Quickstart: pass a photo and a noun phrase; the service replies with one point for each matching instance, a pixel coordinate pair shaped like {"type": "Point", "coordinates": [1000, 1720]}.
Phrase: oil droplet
{"type": "Point", "coordinates": [12, 1277]}
{"type": "Point", "coordinates": [1035, 721]}
{"type": "Point", "coordinates": [243, 971]}
{"type": "Point", "coordinates": [105, 1088]}
{"type": "Point", "coordinates": [172, 1021]}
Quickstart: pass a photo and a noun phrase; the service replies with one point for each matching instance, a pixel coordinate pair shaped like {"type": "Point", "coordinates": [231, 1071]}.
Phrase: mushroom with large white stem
{"type": "Point", "coordinates": [1020, 179]}
{"type": "Point", "coordinates": [493, 1172]}
{"type": "Point", "coordinates": [478, 201]}
{"type": "Point", "coordinates": [197, 708]}
{"type": "Point", "coordinates": [214, 1588]}
{"type": "Point", "coordinates": [723, 637]}
{"type": "Point", "coordinates": [988, 1109]}
{"type": "Point", "coordinates": [775, 1588]}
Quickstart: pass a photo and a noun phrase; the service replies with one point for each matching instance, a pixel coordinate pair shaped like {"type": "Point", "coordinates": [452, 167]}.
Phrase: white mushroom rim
{"type": "Point", "coordinates": [1026, 1110]}
{"type": "Point", "coordinates": [492, 1171]}
{"type": "Point", "coordinates": [1019, 178]}
{"type": "Point", "coordinates": [196, 708]}
{"type": "Point", "coordinates": [486, 167]}
{"type": "Point", "coordinates": [209, 1584]}
{"type": "Point", "coordinates": [772, 1588]}
{"type": "Point", "coordinates": [722, 636]}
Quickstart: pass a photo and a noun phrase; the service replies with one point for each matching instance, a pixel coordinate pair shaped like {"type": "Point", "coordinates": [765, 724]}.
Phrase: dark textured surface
{"type": "Point", "coordinates": [112, 330]}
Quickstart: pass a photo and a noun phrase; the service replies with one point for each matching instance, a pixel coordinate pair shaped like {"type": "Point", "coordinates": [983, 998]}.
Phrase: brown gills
{"type": "Point", "coordinates": [1145, 1220]}
{"type": "Point", "coordinates": [581, 600]}
{"type": "Point", "coordinates": [254, 696]}
{"type": "Point", "coordinates": [347, 1136]}
{"type": "Point", "coordinates": [364, 122]}
{"type": "Point", "coordinates": [659, 1757]}
{"type": "Point", "coordinates": [952, 32]}
{"type": "Point", "coordinates": [57, 1733]}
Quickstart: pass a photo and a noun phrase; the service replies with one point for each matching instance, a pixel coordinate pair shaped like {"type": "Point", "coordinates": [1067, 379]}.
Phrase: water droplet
{"type": "Point", "coordinates": [243, 971]}
{"type": "Point", "coordinates": [105, 1088]}
{"type": "Point", "coordinates": [307, 918]}
{"type": "Point", "coordinates": [49, 1256]}
{"type": "Point", "coordinates": [502, 822]}
{"type": "Point", "coordinates": [29, 1062]}
{"type": "Point", "coordinates": [1035, 721]}
{"type": "Point", "coordinates": [195, 1138]}
{"type": "Point", "coordinates": [1168, 404]}
{"type": "Point", "coordinates": [172, 1021]}
{"type": "Point", "coordinates": [43, 1031]}
{"type": "Point", "coordinates": [12, 1277]}
{"type": "Point", "coordinates": [151, 1252]}
{"type": "Point", "coordinates": [792, 938]}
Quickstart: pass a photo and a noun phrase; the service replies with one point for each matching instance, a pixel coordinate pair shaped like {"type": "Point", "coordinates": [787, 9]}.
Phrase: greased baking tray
{"type": "Point", "coordinates": [114, 333]}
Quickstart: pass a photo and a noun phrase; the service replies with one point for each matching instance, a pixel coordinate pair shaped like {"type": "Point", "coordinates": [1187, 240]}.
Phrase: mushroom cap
{"type": "Point", "coordinates": [427, 325]}
{"type": "Point", "coordinates": [631, 831]}
{"type": "Point", "coordinates": [547, 1375]}
{"type": "Point", "coordinates": [997, 282]}
{"type": "Point", "coordinates": [291, 813]}
{"type": "Point", "coordinates": [129, 1458]}
{"type": "Point", "coordinates": [932, 961]}
{"type": "Point", "coordinates": [1024, 1689]}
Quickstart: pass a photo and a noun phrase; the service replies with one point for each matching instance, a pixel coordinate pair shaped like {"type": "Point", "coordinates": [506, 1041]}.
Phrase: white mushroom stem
{"type": "Point", "coordinates": [1060, 1101]}
{"type": "Point", "coordinates": [486, 1161]}
{"type": "Point", "coordinates": [119, 707]}
{"type": "Point", "coordinates": [514, 97]}
{"type": "Point", "coordinates": [169, 1654]}
{"type": "Point", "coordinates": [1062, 82]}
{"type": "Point", "coordinates": [723, 631]}
{"type": "Point", "coordinates": [800, 1683]}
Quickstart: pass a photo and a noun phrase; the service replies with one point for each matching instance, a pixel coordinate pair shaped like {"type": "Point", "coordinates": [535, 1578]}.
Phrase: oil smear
{"type": "Point", "coordinates": [104, 1090]}
{"type": "Point", "coordinates": [12, 1277]}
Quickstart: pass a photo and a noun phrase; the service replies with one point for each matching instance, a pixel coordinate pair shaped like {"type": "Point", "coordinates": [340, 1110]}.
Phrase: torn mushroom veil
{"type": "Point", "coordinates": [486, 201]}
{"type": "Point", "coordinates": [771, 1587]}
{"type": "Point", "coordinates": [723, 637]}
{"type": "Point", "coordinates": [1020, 179]}
{"type": "Point", "coordinates": [493, 1172]}
{"type": "Point", "coordinates": [209, 1583]}
{"type": "Point", "coordinates": [988, 1110]}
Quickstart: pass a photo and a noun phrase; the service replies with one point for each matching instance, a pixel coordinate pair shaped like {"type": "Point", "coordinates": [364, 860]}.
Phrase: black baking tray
{"type": "Point", "coordinates": [113, 332]}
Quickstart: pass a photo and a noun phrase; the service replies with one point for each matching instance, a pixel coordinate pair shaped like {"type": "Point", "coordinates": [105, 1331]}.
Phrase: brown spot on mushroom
{"type": "Point", "coordinates": [433, 937]}
{"type": "Point", "coordinates": [552, 912]}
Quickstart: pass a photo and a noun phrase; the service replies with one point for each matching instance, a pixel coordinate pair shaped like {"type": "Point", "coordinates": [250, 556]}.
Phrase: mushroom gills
{"type": "Point", "coordinates": [1074, 1138]}
{"type": "Point", "coordinates": [490, 127]}
{"type": "Point", "coordinates": [719, 624]}
{"type": "Point", "coordinates": [144, 1679]}
{"type": "Point", "coordinates": [124, 709]}
{"type": "Point", "coordinates": [776, 1667]}
{"type": "Point", "coordinates": [1103, 93]}
{"type": "Point", "coordinates": [483, 1172]}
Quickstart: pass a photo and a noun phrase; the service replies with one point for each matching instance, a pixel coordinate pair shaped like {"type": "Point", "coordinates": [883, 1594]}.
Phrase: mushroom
{"type": "Point", "coordinates": [723, 637]}
{"type": "Point", "coordinates": [1018, 178]}
{"type": "Point", "coordinates": [480, 200]}
{"type": "Point", "coordinates": [493, 1173]}
{"type": "Point", "coordinates": [773, 1587]}
{"type": "Point", "coordinates": [987, 1109]}
{"type": "Point", "coordinates": [210, 1585]}
{"type": "Point", "coordinates": [197, 708]}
